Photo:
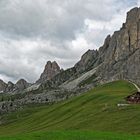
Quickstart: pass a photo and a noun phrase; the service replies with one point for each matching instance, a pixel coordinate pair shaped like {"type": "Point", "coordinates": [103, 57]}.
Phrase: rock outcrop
{"type": "Point", "coordinates": [86, 63]}
{"type": "Point", "coordinates": [3, 86]}
{"type": "Point", "coordinates": [121, 55]}
{"type": "Point", "coordinates": [118, 58]}
{"type": "Point", "coordinates": [51, 70]}
{"type": "Point", "coordinates": [87, 60]}
{"type": "Point", "coordinates": [21, 85]}
{"type": "Point", "coordinates": [59, 79]}
{"type": "Point", "coordinates": [10, 87]}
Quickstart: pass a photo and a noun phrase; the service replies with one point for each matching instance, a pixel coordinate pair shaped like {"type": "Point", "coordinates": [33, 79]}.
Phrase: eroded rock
{"type": "Point", "coordinates": [51, 69]}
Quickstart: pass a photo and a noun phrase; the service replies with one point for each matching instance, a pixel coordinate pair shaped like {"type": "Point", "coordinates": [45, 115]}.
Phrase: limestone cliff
{"type": "Point", "coordinates": [121, 56]}
{"type": "Point", "coordinates": [118, 58]}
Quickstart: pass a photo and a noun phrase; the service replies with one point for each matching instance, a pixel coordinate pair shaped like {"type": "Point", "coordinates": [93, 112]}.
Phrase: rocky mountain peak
{"type": "Point", "coordinates": [10, 83]}
{"type": "Point", "coordinates": [133, 15]}
{"type": "Point", "coordinates": [21, 84]}
{"type": "Point", "coordinates": [120, 55]}
{"type": "Point", "coordinates": [21, 81]}
{"type": "Point", "coordinates": [51, 69]}
{"type": "Point", "coordinates": [11, 87]}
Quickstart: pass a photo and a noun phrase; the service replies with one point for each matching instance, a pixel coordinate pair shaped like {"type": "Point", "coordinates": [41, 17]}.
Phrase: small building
{"type": "Point", "coordinates": [134, 98]}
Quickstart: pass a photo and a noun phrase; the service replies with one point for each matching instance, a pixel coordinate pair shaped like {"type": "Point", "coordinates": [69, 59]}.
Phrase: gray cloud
{"type": "Point", "coordinates": [52, 18]}
{"type": "Point", "coordinates": [35, 31]}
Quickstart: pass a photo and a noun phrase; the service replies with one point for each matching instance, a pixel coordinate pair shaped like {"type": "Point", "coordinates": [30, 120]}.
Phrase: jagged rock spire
{"type": "Point", "coordinates": [51, 69]}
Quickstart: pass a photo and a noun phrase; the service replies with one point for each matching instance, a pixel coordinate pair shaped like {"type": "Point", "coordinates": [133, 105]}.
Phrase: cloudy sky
{"type": "Point", "coordinates": [35, 31]}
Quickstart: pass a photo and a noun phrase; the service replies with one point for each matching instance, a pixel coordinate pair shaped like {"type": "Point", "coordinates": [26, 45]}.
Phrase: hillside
{"type": "Point", "coordinates": [95, 110]}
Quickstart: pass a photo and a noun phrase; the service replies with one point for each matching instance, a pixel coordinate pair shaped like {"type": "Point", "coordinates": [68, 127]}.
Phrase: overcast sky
{"type": "Point", "coordinates": [35, 31]}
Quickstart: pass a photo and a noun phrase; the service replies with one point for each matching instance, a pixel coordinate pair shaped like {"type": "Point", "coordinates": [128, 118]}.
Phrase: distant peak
{"type": "Point", "coordinates": [21, 80]}
{"type": "Point", "coordinates": [51, 69]}
{"type": "Point", "coordinates": [48, 63]}
{"type": "Point", "coordinates": [1, 81]}
{"type": "Point", "coordinates": [10, 83]}
{"type": "Point", "coordinates": [21, 84]}
{"type": "Point", "coordinates": [51, 65]}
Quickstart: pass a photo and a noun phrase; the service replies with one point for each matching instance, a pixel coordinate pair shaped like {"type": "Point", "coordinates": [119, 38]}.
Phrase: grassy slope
{"type": "Point", "coordinates": [94, 111]}
{"type": "Point", "coordinates": [71, 135]}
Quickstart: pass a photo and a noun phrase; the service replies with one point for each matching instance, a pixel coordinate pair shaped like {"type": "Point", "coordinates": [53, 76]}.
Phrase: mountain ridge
{"type": "Point", "coordinates": [117, 59]}
{"type": "Point", "coordinates": [122, 45]}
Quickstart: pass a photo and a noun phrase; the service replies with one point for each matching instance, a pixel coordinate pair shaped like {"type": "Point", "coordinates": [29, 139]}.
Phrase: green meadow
{"type": "Point", "coordinates": [92, 115]}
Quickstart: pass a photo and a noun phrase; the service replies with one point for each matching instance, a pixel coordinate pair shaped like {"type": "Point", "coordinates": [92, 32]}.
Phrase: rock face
{"type": "Point", "coordinates": [87, 60]}
{"type": "Point", "coordinates": [3, 86]}
{"type": "Point", "coordinates": [120, 55]}
{"type": "Point", "coordinates": [118, 58]}
{"type": "Point", "coordinates": [60, 78]}
{"type": "Point", "coordinates": [10, 87]}
{"type": "Point", "coordinates": [21, 85]}
{"type": "Point", "coordinates": [86, 63]}
{"type": "Point", "coordinates": [52, 96]}
{"type": "Point", "coordinates": [51, 69]}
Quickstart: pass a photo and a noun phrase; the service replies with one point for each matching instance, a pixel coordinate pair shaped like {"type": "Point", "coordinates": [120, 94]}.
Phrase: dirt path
{"type": "Point", "coordinates": [135, 86]}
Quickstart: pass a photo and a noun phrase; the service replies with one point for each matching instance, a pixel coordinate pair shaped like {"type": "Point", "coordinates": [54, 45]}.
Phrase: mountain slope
{"type": "Point", "coordinates": [120, 55]}
{"type": "Point", "coordinates": [72, 135]}
{"type": "Point", "coordinates": [96, 110]}
{"type": "Point", "coordinates": [117, 59]}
